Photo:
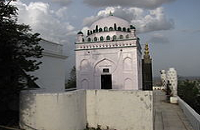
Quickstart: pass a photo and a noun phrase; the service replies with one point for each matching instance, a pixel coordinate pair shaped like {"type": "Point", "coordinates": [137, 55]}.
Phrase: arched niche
{"type": "Point", "coordinates": [102, 64]}
{"type": "Point", "coordinates": [127, 64]}
{"type": "Point", "coordinates": [105, 29]}
{"type": "Point", "coordinates": [111, 29]}
{"type": "Point", "coordinates": [121, 37]}
{"type": "Point", "coordinates": [84, 65]}
{"type": "Point", "coordinates": [89, 39]}
{"type": "Point", "coordinates": [119, 28]}
{"type": "Point", "coordinates": [108, 38]}
{"type": "Point", "coordinates": [85, 84]}
{"type": "Point", "coordinates": [128, 84]}
{"type": "Point", "coordinates": [114, 37]}
{"type": "Point", "coordinates": [101, 38]}
{"type": "Point", "coordinates": [127, 36]}
{"type": "Point", "coordinates": [100, 29]}
{"type": "Point", "coordinates": [95, 39]}
{"type": "Point", "coordinates": [124, 29]}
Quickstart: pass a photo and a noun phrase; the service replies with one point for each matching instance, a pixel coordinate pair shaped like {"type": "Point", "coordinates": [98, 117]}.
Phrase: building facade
{"type": "Point", "coordinates": [109, 56]}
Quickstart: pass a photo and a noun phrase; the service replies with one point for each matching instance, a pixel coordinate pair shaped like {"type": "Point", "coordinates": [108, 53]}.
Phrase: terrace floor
{"type": "Point", "coordinates": [168, 116]}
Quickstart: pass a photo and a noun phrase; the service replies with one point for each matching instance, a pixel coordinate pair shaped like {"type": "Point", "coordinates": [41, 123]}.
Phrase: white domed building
{"type": "Point", "coordinates": [109, 56]}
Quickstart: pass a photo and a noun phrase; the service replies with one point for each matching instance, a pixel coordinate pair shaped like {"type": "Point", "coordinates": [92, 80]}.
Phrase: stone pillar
{"type": "Point", "coordinates": [172, 77]}
{"type": "Point", "coordinates": [163, 79]}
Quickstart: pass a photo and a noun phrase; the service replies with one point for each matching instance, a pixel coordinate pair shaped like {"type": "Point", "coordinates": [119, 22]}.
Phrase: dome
{"type": "Point", "coordinates": [110, 28]}
{"type": "Point", "coordinates": [109, 22]}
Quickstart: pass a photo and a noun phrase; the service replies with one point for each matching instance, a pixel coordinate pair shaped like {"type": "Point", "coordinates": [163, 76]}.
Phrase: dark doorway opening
{"type": "Point", "coordinates": [106, 81]}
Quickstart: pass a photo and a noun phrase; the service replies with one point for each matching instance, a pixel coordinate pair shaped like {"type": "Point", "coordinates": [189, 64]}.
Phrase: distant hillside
{"type": "Point", "coordinates": [157, 80]}
{"type": "Point", "coordinates": [189, 77]}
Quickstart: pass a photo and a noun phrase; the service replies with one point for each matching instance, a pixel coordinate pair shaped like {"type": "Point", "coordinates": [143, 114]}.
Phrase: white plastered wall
{"type": "Point", "coordinates": [53, 111]}
{"type": "Point", "coordinates": [51, 75]}
{"type": "Point", "coordinates": [122, 110]}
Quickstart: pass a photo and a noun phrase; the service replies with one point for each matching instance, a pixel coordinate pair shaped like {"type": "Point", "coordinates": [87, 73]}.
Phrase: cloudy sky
{"type": "Point", "coordinates": [171, 27]}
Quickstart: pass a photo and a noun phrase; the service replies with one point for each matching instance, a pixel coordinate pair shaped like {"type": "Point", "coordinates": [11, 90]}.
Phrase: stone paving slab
{"type": "Point", "coordinates": [168, 116]}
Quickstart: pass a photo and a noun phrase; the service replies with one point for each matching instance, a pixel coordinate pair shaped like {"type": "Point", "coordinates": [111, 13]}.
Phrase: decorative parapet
{"type": "Point", "coordinates": [106, 44]}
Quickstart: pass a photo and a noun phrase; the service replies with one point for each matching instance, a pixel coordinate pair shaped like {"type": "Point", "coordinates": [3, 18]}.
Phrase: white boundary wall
{"type": "Point", "coordinates": [191, 115]}
{"type": "Point", "coordinates": [53, 111]}
{"type": "Point", "coordinates": [122, 110]}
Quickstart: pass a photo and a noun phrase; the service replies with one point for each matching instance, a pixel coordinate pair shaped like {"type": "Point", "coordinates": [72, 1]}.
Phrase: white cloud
{"type": "Point", "coordinates": [150, 4]}
{"type": "Point", "coordinates": [61, 12]}
{"type": "Point", "coordinates": [45, 21]}
{"type": "Point", "coordinates": [143, 20]}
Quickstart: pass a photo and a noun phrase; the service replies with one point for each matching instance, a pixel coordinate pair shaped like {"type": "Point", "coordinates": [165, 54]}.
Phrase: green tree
{"type": "Point", "coordinates": [19, 49]}
{"type": "Point", "coordinates": [189, 91]}
{"type": "Point", "coordinates": [71, 83]}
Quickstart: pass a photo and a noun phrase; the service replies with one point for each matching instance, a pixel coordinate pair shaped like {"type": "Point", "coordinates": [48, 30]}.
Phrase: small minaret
{"type": "Point", "coordinates": [147, 70]}
{"type": "Point", "coordinates": [133, 31]}
{"type": "Point", "coordinates": [80, 37]}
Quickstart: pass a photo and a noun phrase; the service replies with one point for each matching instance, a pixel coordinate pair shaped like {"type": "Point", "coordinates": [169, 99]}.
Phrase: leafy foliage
{"type": "Point", "coordinates": [71, 83]}
{"type": "Point", "coordinates": [189, 91]}
{"type": "Point", "coordinates": [19, 49]}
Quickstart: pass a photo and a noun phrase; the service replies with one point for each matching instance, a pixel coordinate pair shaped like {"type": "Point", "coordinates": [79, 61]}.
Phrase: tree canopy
{"type": "Point", "coordinates": [19, 50]}
{"type": "Point", "coordinates": [189, 91]}
{"type": "Point", "coordinates": [71, 83]}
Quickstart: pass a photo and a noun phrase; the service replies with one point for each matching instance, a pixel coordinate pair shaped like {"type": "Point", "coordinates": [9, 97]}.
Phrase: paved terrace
{"type": "Point", "coordinates": [168, 116]}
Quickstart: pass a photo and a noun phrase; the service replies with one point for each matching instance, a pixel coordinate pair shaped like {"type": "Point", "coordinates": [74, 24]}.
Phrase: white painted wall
{"type": "Point", "coordinates": [52, 70]}
{"type": "Point", "coordinates": [123, 110]}
{"type": "Point", "coordinates": [53, 111]}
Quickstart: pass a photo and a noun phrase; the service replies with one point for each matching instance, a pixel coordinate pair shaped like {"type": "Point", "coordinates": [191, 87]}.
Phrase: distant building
{"type": "Point", "coordinates": [109, 57]}
{"type": "Point", "coordinates": [51, 75]}
{"type": "Point", "coordinates": [147, 80]}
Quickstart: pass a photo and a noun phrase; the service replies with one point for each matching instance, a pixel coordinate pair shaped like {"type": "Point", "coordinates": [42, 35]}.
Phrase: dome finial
{"type": "Point", "coordinates": [146, 49]}
{"type": "Point", "coordinates": [146, 56]}
{"type": "Point", "coordinates": [111, 14]}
